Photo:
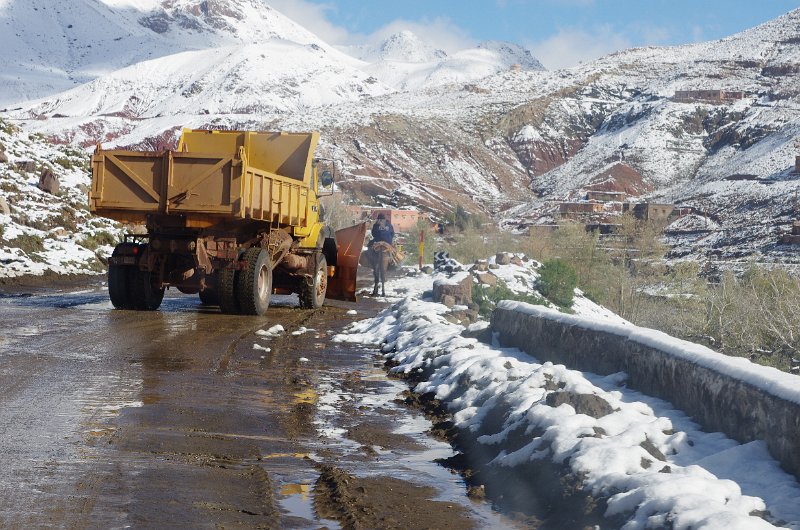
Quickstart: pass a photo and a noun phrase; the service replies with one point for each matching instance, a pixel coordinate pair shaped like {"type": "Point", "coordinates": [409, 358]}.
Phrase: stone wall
{"type": "Point", "coordinates": [707, 385]}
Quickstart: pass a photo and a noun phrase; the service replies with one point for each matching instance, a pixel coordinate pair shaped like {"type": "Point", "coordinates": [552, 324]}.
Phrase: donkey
{"type": "Point", "coordinates": [378, 257]}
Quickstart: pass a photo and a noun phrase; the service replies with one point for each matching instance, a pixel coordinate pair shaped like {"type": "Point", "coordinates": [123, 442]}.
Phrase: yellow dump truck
{"type": "Point", "coordinates": [233, 216]}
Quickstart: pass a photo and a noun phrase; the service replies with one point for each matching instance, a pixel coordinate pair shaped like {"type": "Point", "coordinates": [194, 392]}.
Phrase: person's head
{"type": "Point", "coordinates": [381, 219]}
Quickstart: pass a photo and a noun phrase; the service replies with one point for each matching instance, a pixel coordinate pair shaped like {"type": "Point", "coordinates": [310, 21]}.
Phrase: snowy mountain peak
{"type": "Point", "coordinates": [249, 21]}
{"type": "Point", "coordinates": [512, 54]}
{"type": "Point", "coordinates": [404, 47]}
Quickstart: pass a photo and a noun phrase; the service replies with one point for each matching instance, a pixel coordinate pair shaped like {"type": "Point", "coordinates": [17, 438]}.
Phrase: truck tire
{"type": "Point", "coordinates": [254, 283]}
{"type": "Point", "coordinates": [209, 296]}
{"type": "Point", "coordinates": [119, 279]}
{"type": "Point", "coordinates": [144, 296]}
{"type": "Point", "coordinates": [118, 286]}
{"type": "Point", "coordinates": [312, 295]}
{"type": "Point", "coordinates": [226, 291]}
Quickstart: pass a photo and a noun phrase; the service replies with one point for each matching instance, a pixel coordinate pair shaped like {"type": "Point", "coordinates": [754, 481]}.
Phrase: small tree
{"type": "Point", "coordinates": [557, 281]}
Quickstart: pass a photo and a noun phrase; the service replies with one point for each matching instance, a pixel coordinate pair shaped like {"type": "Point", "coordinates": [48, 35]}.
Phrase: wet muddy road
{"type": "Point", "coordinates": [187, 418]}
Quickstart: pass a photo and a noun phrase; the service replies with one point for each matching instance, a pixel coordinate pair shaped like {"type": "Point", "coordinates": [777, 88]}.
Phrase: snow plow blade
{"type": "Point", "coordinates": [349, 242]}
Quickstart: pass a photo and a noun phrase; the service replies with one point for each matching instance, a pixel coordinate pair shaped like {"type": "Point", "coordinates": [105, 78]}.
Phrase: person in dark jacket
{"type": "Point", "coordinates": [382, 230]}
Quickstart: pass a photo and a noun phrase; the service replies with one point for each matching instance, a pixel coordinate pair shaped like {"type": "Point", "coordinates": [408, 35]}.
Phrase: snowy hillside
{"type": "Point", "coordinates": [49, 47]}
{"type": "Point", "coordinates": [468, 129]}
{"type": "Point", "coordinates": [44, 232]}
{"type": "Point", "coordinates": [406, 62]}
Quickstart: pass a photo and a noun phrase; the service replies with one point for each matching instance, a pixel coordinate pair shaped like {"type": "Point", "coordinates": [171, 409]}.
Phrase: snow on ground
{"type": "Point", "coordinates": [44, 232]}
{"type": "Point", "coordinates": [706, 481]}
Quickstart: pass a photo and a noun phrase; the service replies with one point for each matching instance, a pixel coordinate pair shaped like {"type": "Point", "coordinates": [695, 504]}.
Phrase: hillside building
{"type": "Point", "coordinates": [710, 96]}
{"type": "Point", "coordinates": [606, 196]}
{"type": "Point", "coordinates": [402, 220]}
{"type": "Point", "coordinates": [647, 211]}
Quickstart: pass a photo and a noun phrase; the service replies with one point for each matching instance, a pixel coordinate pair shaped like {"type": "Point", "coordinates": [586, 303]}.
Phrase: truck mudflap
{"type": "Point", "coordinates": [349, 242]}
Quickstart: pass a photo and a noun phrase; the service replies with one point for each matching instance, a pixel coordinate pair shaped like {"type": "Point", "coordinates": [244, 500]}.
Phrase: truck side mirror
{"type": "Point", "coordinates": [326, 179]}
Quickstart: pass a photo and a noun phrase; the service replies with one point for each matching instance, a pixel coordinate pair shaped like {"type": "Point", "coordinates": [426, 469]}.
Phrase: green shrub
{"type": "Point", "coordinates": [94, 241]}
{"type": "Point", "coordinates": [557, 281]}
{"type": "Point", "coordinates": [28, 243]}
{"type": "Point", "coordinates": [487, 297]}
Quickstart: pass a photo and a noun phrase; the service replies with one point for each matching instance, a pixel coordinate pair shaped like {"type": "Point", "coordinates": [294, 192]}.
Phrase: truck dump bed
{"type": "Point", "coordinates": [214, 176]}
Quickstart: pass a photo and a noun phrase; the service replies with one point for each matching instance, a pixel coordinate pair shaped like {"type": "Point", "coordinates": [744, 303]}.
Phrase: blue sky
{"type": "Point", "coordinates": [559, 32]}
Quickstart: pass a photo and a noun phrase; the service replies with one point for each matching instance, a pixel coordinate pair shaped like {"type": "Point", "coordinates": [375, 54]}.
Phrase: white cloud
{"type": "Point", "coordinates": [314, 18]}
{"type": "Point", "coordinates": [439, 32]}
{"type": "Point", "coordinates": [570, 46]}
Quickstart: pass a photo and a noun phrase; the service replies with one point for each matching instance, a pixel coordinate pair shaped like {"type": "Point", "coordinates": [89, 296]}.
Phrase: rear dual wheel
{"type": "Point", "coordinates": [246, 291]}
{"type": "Point", "coordinates": [131, 288]}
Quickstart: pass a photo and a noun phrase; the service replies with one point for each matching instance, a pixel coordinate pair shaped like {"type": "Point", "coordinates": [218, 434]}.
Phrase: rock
{"type": "Point", "coordinates": [476, 492]}
{"type": "Point", "coordinates": [459, 287]}
{"type": "Point", "coordinates": [493, 267]}
{"type": "Point", "coordinates": [487, 278]}
{"type": "Point", "coordinates": [2, 148]}
{"type": "Point", "coordinates": [648, 446]}
{"type": "Point", "coordinates": [4, 207]}
{"type": "Point", "coordinates": [3, 158]}
{"type": "Point", "coordinates": [463, 317]}
{"type": "Point", "coordinates": [502, 258]}
{"type": "Point", "coordinates": [27, 166]}
{"type": "Point", "coordinates": [480, 331]}
{"type": "Point", "coordinates": [448, 300]}
{"type": "Point", "coordinates": [589, 404]}
{"type": "Point", "coordinates": [481, 265]}
{"type": "Point", "coordinates": [516, 261]}
{"type": "Point", "coordinates": [49, 182]}
{"type": "Point", "coordinates": [427, 269]}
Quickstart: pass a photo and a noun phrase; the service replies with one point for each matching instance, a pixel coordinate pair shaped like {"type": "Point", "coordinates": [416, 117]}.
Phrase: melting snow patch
{"type": "Point", "coordinates": [261, 348]}
{"type": "Point", "coordinates": [274, 331]}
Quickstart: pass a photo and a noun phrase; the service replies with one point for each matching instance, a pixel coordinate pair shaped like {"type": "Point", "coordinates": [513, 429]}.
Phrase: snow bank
{"type": "Point", "coordinates": [653, 466]}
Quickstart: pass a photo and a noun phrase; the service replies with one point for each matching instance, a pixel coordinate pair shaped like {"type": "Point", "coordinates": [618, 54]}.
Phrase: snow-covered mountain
{"type": "Point", "coordinates": [406, 62]}
{"type": "Point", "coordinates": [49, 47]}
{"type": "Point", "coordinates": [404, 46]}
{"type": "Point", "coordinates": [467, 128]}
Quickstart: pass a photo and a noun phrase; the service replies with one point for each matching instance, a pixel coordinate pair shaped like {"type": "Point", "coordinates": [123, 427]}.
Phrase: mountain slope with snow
{"type": "Point", "coordinates": [50, 47]}
{"type": "Point", "coordinates": [507, 142]}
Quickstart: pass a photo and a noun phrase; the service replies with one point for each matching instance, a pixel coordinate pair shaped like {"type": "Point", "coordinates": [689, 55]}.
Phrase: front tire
{"type": "Point", "coordinates": [312, 296]}
{"type": "Point", "coordinates": [254, 282]}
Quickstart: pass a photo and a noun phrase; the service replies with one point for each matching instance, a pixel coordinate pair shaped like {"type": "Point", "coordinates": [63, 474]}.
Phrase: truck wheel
{"type": "Point", "coordinates": [226, 292]}
{"type": "Point", "coordinates": [313, 296]}
{"type": "Point", "coordinates": [119, 279]}
{"type": "Point", "coordinates": [254, 284]}
{"type": "Point", "coordinates": [118, 286]}
{"type": "Point", "coordinates": [145, 297]}
{"type": "Point", "coordinates": [209, 296]}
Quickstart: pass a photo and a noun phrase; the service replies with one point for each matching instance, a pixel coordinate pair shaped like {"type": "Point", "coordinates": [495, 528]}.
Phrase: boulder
{"type": "Point", "coordinates": [480, 331]}
{"type": "Point", "coordinates": [448, 300]}
{"type": "Point", "coordinates": [48, 182]}
{"type": "Point", "coordinates": [427, 269]}
{"type": "Point", "coordinates": [481, 265]}
{"type": "Point", "coordinates": [4, 206]}
{"type": "Point", "coordinates": [3, 158]}
{"type": "Point", "coordinates": [459, 286]}
{"type": "Point", "coordinates": [28, 166]}
{"type": "Point", "coordinates": [515, 260]}
{"type": "Point", "coordinates": [486, 278]}
{"type": "Point", "coordinates": [493, 267]}
{"type": "Point", "coordinates": [502, 258]}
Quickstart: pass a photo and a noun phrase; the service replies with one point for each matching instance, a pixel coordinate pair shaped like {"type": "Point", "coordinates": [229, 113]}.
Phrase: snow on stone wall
{"type": "Point", "coordinates": [732, 395]}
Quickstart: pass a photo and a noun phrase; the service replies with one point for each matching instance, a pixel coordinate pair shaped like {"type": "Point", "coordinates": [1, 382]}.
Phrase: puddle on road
{"type": "Point", "coordinates": [374, 397]}
{"type": "Point", "coordinates": [298, 501]}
